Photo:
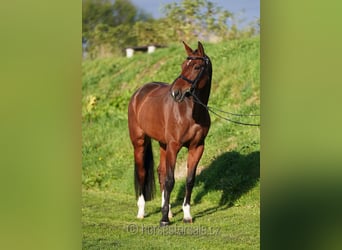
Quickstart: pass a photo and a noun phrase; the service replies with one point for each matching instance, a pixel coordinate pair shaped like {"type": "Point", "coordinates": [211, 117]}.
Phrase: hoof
{"type": "Point", "coordinates": [187, 220]}
{"type": "Point", "coordinates": [141, 216]}
{"type": "Point", "coordinates": [164, 223]}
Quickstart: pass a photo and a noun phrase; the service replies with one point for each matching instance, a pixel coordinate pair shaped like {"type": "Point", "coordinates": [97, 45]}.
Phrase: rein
{"type": "Point", "coordinates": [197, 100]}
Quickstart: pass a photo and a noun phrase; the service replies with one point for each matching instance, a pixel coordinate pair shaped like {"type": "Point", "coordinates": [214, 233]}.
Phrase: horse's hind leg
{"type": "Point", "coordinates": [144, 173]}
{"type": "Point", "coordinates": [139, 176]}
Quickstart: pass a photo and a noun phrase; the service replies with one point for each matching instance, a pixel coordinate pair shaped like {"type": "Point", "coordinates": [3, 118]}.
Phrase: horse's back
{"type": "Point", "coordinates": [148, 88]}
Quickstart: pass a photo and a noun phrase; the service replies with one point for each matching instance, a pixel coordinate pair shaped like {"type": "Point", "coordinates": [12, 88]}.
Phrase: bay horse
{"type": "Point", "coordinates": [172, 115]}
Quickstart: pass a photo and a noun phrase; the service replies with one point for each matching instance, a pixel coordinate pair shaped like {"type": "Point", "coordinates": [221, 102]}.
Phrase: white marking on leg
{"type": "Point", "coordinates": [186, 210]}
{"type": "Point", "coordinates": [170, 215]}
{"type": "Point", "coordinates": [141, 207]}
{"type": "Point", "coordinates": [163, 199]}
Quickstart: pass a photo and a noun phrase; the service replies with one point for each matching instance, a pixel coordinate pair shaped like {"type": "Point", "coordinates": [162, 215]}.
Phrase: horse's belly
{"type": "Point", "coordinates": [150, 120]}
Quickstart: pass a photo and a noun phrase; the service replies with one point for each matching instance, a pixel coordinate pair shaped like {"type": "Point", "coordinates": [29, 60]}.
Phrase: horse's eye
{"type": "Point", "coordinates": [197, 67]}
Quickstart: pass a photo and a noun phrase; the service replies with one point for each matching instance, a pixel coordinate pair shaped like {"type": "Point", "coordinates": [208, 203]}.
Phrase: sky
{"type": "Point", "coordinates": [244, 10]}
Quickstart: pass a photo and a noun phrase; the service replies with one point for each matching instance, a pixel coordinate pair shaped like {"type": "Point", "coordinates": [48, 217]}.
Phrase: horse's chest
{"type": "Point", "coordinates": [187, 133]}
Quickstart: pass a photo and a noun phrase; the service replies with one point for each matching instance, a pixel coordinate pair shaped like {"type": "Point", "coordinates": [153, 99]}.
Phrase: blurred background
{"type": "Point", "coordinates": [109, 26]}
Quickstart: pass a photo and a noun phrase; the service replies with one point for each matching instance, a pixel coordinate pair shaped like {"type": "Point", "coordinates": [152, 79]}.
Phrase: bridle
{"type": "Point", "coordinates": [198, 77]}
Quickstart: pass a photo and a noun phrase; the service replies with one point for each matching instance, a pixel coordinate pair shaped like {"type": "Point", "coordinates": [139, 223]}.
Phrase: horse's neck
{"type": "Point", "coordinates": [203, 96]}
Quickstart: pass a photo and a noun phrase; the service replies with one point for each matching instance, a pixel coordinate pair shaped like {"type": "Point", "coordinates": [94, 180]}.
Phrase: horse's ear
{"type": "Point", "coordinates": [200, 48]}
{"type": "Point", "coordinates": [189, 51]}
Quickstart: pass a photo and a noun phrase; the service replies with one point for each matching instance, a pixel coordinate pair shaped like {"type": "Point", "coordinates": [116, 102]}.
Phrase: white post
{"type": "Point", "coordinates": [151, 49]}
{"type": "Point", "coordinates": [129, 52]}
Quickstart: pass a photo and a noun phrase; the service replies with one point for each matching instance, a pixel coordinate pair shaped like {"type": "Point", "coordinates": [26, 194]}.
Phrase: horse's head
{"type": "Point", "coordinates": [196, 74]}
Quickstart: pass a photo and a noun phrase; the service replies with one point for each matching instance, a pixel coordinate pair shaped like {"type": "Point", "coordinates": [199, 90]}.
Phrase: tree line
{"type": "Point", "coordinates": [110, 26]}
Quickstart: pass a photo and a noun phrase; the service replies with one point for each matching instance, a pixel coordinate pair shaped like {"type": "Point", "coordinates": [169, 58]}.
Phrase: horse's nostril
{"type": "Point", "coordinates": [175, 93]}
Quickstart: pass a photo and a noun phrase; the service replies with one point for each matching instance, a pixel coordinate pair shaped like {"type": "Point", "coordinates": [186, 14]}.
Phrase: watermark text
{"type": "Point", "coordinates": [196, 230]}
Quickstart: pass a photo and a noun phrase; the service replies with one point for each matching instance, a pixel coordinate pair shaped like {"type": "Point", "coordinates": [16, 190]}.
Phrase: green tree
{"type": "Point", "coordinates": [199, 19]}
{"type": "Point", "coordinates": [152, 32]}
{"type": "Point", "coordinates": [95, 12]}
{"type": "Point", "coordinates": [111, 14]}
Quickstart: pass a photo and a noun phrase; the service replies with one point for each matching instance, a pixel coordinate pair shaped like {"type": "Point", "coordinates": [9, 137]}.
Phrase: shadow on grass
{"type": "Point", "coordinates": [230, 173]}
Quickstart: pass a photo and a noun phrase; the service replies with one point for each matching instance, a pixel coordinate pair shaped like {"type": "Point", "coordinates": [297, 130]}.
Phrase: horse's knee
{"type": "Point", "coordinates": [161, 171]}
{"type": "Point", "coordinates": [169, 183]}
{"type": "Point", "coordinates": [190, 181]}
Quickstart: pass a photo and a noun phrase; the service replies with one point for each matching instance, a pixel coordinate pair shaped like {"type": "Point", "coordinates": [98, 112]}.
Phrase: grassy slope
{"type": "Point", "coordinates": [226, 193]}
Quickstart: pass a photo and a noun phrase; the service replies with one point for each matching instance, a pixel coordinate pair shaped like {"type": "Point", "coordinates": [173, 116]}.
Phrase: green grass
{"type": "Point", "coordinates": [109, 222]}
{"type": "Point", "coordinates": [226, 193]}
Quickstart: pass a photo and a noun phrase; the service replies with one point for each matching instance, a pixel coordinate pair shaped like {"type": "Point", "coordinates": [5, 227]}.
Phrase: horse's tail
{"type": "Point", "coordinates": [148, 189]}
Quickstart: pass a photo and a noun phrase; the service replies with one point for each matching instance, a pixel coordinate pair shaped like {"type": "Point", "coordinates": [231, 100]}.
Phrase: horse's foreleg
{"type": "Point", "coordinates": [194, 157]}
{"type": "Point", "coordinates": [162, 175]}
{"type": "Point", "coordinates": [171, 155]}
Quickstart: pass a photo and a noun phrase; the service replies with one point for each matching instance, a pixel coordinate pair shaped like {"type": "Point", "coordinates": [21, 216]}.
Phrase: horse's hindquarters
{"type": "Point", "coordinates": [147, 109]}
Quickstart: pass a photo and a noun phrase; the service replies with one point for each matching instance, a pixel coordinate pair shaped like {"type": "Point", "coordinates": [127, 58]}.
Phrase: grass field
{"type": "Point", "coordinates": [225, 200]}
